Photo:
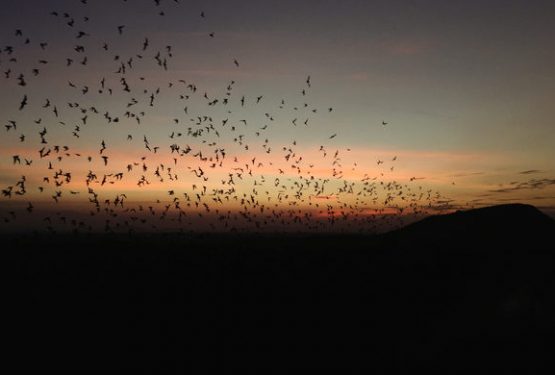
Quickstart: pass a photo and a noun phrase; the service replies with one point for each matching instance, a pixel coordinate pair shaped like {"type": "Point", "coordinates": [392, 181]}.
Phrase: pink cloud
{"type": "Point", "coordinates": [408, 46]}
{"type": "Point", "coordinates": [359, 77]}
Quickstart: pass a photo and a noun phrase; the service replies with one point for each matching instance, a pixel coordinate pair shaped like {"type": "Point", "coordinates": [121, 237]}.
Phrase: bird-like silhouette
{"type": "Point", "coordinates": [219, 156]}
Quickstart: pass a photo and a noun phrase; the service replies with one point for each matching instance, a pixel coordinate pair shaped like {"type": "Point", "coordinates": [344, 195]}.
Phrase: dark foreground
{"type": "Point", "coordinates": [463, 293]}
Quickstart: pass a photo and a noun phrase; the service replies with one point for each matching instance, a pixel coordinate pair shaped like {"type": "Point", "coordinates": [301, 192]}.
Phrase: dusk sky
{"type": "Point", "coordinates": [355, 107]}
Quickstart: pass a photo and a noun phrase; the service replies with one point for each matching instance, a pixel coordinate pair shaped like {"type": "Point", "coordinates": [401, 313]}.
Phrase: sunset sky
{"type": "Point", "coordinates": [466, 90]}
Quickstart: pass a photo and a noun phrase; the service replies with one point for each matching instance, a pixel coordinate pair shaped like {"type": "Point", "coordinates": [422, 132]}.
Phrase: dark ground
{"type": "Point", "coordinates": [462, 293]}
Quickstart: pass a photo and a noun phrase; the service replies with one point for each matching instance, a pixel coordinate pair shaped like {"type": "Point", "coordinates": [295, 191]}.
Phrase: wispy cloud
{"type": "Point", "coordinates": [468, 174]}
{"type": "Point", "coordinates": [527, 185]}
{"type": "Point", "coordinates": [531, 171]}
{"type": "Point", "coordinates": [408, 46]}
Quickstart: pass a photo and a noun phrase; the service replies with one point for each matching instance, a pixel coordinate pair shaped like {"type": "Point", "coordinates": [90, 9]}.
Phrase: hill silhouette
{"type": "Point", "coordinates": [454, 293]}
{"type": "Point", "coordinates": [495, 222]}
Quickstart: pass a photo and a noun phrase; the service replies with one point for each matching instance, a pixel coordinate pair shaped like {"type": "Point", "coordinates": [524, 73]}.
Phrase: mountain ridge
{"type": "Point", "coordinates": [407, 299]}
{"type": "Point", "coordinates": [500, 223]}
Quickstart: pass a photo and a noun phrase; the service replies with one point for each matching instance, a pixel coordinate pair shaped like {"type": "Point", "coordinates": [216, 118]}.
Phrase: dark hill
{"type": "Point", "coordinates": [454, 293]}
{"type": "Point", "coordinates": [501, 223]}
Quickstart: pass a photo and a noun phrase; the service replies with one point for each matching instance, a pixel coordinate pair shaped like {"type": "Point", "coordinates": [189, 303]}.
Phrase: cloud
{"type": "Point", "coordinates": [531, 171]}
{"type": "Point", "coordinates": [468, 174]}
{"type": "Point", "coordinates": [527, 185]}
{"type": "Point", "coordinates": [408, 46]}
{"type": "Point", "coordinates": [359, 77]}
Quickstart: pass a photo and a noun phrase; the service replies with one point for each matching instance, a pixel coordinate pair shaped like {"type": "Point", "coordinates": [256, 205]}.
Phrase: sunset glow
{"type": "Point", "coordinates": [328, 116]}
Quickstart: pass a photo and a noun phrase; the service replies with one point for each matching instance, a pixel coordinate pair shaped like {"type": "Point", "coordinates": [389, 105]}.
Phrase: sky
{"type": "Point", "coordinates": [353, 111]}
